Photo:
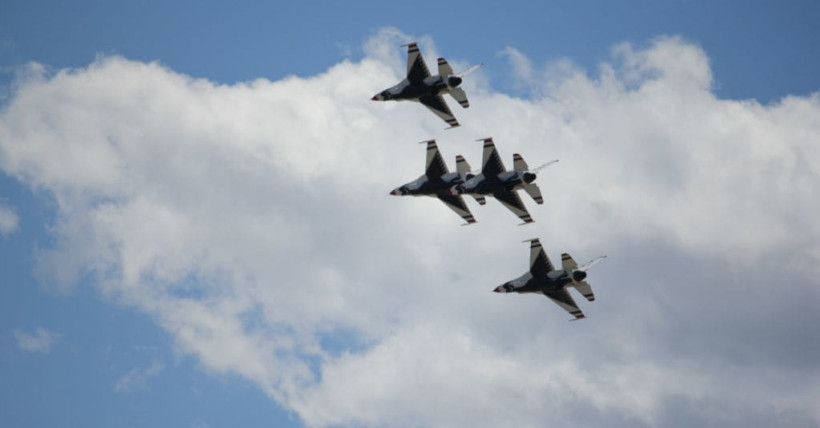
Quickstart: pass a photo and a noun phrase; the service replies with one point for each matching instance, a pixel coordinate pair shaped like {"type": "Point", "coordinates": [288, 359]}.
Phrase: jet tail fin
{"type": "Point", "coordinates": [579, 274]}
{"type": "Point", "coordinates": [480, 199]}
{"type": "Point", "coordinates": [462, 167]}
{"type": "Point", "coordinates": [519, 164]}
{"type": "Point", "coordinates": [568, 263]}
{"type": "Point", "coordinates": [444, 68]}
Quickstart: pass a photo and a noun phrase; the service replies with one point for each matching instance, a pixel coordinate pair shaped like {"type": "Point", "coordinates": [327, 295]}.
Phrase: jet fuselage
{"type": "Point", "coordinates": [405, 90]}
{"type": "Point", "coordinates": [507, 180]}
{"type": "Point", "coordinates": [423, 186]}
{"type": "Point", "coordinates": [527, 283]}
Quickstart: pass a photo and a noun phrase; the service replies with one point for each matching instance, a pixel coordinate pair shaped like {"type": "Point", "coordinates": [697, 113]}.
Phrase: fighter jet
{"type": "Point", "coordinates": [544, 279]}
{"type": "Point", "coordinates": [494, 180]}
{"type": "Point", "coordinates": [422, 87]}
{"type": "Point", "coordinates": [437, 179]}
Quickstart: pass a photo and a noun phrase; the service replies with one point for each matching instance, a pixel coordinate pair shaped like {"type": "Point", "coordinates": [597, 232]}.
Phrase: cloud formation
{"type": "Point", "coordinates": [9, 221]}
{"type": "Point", "coordinates": [252, 222]}
{"type": "Point", "coordinates": [41, 340]}
{"type": "Point", "coordinates": [138, 377]}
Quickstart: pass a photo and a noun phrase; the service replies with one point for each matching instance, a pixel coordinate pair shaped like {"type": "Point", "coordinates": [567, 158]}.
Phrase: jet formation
{"type": "Point", "coordinates": [421, 86]}
{"type": "Point", "coordinates": [493, 180]}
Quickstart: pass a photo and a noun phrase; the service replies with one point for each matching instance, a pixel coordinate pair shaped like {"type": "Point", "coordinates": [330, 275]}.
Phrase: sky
{"type": "Point", "coordinates": [196, 231]}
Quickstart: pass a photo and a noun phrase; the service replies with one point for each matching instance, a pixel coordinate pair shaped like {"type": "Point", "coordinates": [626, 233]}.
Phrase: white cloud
{"type": "Point", "coordinates": [522, 68]}
{"type": "Point", "coordinates": [41, 340]}
{"type": "Point", "coordinates": [9, 221]}
{"type": "Point", "coordinates": [137, 378]}
{"type": "Point", "coordinates": [252, 222]}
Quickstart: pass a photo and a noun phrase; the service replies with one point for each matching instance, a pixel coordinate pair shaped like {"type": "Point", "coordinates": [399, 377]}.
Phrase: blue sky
{"type": "Point", "coordinates": [758, 49]}
{"type": "Point", "coordinates": [110, 358]}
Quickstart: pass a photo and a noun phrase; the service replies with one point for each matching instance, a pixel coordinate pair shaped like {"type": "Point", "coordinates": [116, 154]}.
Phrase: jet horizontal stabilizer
{"type": "Point", "coordinates": [534, 192]}
{"type": "Point", "coordinates": [460, 96]}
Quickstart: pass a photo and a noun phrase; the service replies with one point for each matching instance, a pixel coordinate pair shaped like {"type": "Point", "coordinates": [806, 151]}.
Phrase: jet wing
{"type": "Point", "coordinates": [540, 264]}
{"type": "Point", "coordinates": [435, 167]}
{"type": "Point", "coordinates": [564, 300]}
{"type": "Point", "coordinates": [491, 164]}
{"type": "Point", "coordinates": [416, 68]}
{"type": "Point", "coordinates": [437, 105]}
{"type": "Point", "coordinates": [512, 201]}
{"type": "Point", "coordinates": [456, 203]}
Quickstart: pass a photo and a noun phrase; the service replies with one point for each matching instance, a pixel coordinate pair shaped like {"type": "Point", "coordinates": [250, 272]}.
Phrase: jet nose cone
{"type": "Point", "coordinates": [375, 98]}
{"type": "Point", "coordinates": [497, 289]}
{"type": "Point", "coordinates": [378, 97]}
{"type": "Point", "coordinates": [395, 192]}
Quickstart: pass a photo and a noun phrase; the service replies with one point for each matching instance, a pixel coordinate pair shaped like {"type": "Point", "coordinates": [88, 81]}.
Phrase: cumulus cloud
{"type": "Point", "coordinates": [252, 222]}
{"type": "Point", "coordinates": [9, 221]}
{"type": "Point", "coordinates": [40, 340]}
